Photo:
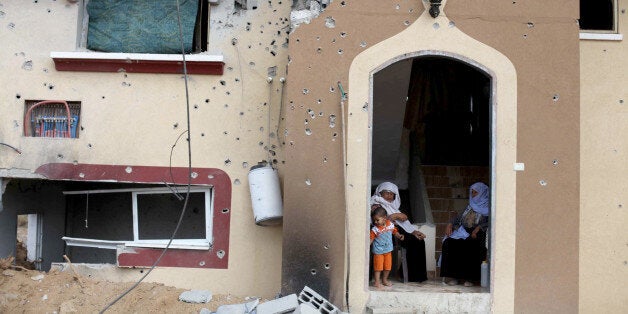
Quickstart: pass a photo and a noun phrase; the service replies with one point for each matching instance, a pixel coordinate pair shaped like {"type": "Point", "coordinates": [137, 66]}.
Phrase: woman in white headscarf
{"type": "Point", "coordinates": [464, 247]}
{"type": "Point", "coordinates": [387, 196]}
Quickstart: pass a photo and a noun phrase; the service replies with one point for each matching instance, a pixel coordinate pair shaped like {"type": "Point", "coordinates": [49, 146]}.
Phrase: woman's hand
{"type": "Point", "coordinates": [418, 234]}
{"type": "Point", "coordinates": [449, 229]}
{"type": "Point", "coordinates": [398, 216]}
{"type": "Point", "coordinates": [474, 234]}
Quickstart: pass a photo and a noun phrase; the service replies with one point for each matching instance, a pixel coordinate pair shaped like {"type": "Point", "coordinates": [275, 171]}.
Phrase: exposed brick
{"type": "Point", "coordinates": [440, 204]}
{"type": "Point", "coordinates": [440, 228]}
{"type": "Point", "coordinates": [436, 181]}
{"type": "Point", "coordinates": [434, 170]}
{"type": "Point", "coordinates": [441, 216]}
{"type": "Point", "coordinates": [438, 245]}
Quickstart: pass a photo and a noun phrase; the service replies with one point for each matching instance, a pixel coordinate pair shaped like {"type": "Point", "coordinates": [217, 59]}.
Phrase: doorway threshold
{"type": "Point", "coordinates": [431, 296]}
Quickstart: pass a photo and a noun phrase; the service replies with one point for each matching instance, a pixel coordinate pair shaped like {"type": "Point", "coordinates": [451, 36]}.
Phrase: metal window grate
{"type": "Point", "coordinates": [50, 118]}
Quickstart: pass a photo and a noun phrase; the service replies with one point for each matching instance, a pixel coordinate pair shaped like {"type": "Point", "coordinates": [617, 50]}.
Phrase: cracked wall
{"type": "Point", "coordinates": [547, 110]}
{"type": "Point", "coordinates": [135, 118]}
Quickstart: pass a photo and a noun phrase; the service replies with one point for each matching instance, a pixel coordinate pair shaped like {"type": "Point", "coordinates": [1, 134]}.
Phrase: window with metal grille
{"type": "Point", "coordinates": [52, 118]}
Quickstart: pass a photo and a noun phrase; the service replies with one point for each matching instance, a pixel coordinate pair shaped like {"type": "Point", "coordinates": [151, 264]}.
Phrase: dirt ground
{"type": "Point", "coordinates": [61, 292]}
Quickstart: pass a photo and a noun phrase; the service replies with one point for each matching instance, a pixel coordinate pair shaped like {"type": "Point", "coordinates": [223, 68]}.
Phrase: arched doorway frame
{"type": "Point", "coordinates": [433, 37]}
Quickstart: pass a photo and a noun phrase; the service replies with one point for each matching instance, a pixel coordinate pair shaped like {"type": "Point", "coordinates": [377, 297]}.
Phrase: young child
{"type": "Point", "coordinates": [382, 245]}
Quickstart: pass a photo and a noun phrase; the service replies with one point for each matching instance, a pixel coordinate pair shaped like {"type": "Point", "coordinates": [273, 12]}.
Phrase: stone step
{"type": "Point", "coordinates": [443, 299]}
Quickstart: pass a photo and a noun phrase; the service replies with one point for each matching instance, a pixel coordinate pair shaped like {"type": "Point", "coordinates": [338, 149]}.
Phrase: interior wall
{"type": "Point", "coordinates": [34, 196]}
{"type": "Point", "coordinates": [604, 165]}
{"type": "Point", "coordinates": [389, 107]}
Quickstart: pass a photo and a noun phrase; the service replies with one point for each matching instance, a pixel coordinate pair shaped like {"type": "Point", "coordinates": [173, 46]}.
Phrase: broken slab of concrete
{"type": "Point", "coordinates": [306, 308]}
{"type": "Point", "coordinates": [285, 304]}
{"type": "Point", "coordinates": [243, 308]}
{"type": "Point", "coordinates": [317, 301]}
{"type": "Point", "coordinates": [196, 296]}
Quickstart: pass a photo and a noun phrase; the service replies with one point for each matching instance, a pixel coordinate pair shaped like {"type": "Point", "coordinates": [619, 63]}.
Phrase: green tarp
{"type": "Point", "coordinates": [140, 26]}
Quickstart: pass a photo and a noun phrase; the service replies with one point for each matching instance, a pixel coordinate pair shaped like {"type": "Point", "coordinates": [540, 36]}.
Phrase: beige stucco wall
{"type": "Point", "coordinates": [604, 170]}
{"type": "Point", "coordinates": [129, 118]}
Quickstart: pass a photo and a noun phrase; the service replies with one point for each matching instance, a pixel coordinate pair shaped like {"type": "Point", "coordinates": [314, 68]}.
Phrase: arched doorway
{"type": "Point", "coordinates": [431, 135]}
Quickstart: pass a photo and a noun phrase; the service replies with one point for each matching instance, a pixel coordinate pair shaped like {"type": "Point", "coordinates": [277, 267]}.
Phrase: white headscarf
{"type": "Point", "coordinates": [481, 202]}
{"type": "Point", "coordinates": [391, 207]}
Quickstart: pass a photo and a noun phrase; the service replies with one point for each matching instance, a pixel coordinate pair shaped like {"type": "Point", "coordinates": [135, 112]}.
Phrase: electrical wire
{"type": "Point", "coordinates": [174, 189]}
{"type": "Point", "coordinates": [15, 149]}
{"type": "Point", "coordinates": [343, 98]}
{"type": "Point", "coordinates": [187, 196]}
{"type": "Point", "coordinates": [270, 100]}
{"type": "Point", "coordinates": [283, 83]}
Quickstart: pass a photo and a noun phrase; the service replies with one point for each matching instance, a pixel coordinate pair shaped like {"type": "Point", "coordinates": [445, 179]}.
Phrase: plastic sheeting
{"type": "Point", "coordinates": [138, 26]}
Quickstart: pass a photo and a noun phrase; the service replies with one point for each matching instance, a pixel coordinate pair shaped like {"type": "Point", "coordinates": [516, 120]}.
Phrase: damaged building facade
{"type": "Point", "coordinates": [338, 96]}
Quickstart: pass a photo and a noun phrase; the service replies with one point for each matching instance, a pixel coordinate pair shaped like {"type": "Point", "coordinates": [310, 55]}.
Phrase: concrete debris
{"type": "Point", "coordinates": [286, 304]}
{"type": "Point", "coordinates": [8, 272]}
{"type": "Point", "coordinates": [244, 308]}
{"type": "Point", "coordinates": [317, 301]}
{"type": "Point", "coordinates": [38, 277]}
{"type": "Point", "coordinates": [205, 311]}
{"type": "Point", "coordinates": [305, 16]}
{"type": "Point", "coordinates": [306, 308]}
{"type": "Point", "coordinates": [5, 297]}
{"type": "Point", "coordinates": [196, 296]}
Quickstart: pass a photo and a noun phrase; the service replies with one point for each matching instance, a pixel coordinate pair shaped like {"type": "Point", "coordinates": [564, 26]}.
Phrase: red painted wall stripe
{"type": "Point", "coordinates": [216, 257]}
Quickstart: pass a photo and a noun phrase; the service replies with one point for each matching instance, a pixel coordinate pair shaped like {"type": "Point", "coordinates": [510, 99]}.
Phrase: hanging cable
{"type": "Point", "coordinates": [270, 99]}
{"type": "Point", "coordinates": [174, 189]}
{"type": "Point", "coordinates": [343, 98]}
{"type": "Point", "coordinates": [187, 195]}
{"type": "Point", "coordinates": [283, 83]}
{"type": "Point", "coordinates": [86, 209]}
{"type": "Point", "coordinates": [15, 149]}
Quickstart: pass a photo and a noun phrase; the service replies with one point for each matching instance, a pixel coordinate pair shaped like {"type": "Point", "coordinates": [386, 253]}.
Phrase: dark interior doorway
{"type": "Point", "coordinates": [431, 117]}
{"type": "Point", "coordinates": [429, 111]}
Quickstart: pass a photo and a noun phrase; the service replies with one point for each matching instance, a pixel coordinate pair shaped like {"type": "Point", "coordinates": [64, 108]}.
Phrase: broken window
{"type": "Point", "coordinates": [598, 15]}
{"type": "Point", "coordinates": [52, 118]}
{"type": "Point", "coordinates": [145, 217]}
{"type": "Point", "coordinates": [155, 215]}
{"type": "Point", "coordinates": [137, 26]}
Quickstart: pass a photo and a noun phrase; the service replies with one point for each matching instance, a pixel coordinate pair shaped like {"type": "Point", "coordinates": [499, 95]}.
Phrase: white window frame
{"type": "Point", "coordinates": [175, 242]}
{"type": "Point", "coordinates": [191, 244]}
{"type": "Point", "coordinates": [609, 35]}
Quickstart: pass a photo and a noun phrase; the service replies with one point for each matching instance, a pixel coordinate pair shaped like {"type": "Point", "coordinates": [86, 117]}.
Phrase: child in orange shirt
{"type": "Point", "coordinates": [382, 245]}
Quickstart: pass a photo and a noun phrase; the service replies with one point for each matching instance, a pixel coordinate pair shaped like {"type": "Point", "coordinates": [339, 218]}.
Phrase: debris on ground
{"type": "Point", "coordinates": [31, 291]}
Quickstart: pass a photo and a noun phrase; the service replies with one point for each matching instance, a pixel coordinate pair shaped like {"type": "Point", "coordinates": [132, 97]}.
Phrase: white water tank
{"type": "Point", "coordinates": [265, 195]}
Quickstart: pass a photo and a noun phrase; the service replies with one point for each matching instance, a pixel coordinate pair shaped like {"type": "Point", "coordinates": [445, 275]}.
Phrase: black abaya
{"type": "Point", "coordinates": [415, 256]}
{"type": "Point", "coordinates": [462, 258]}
